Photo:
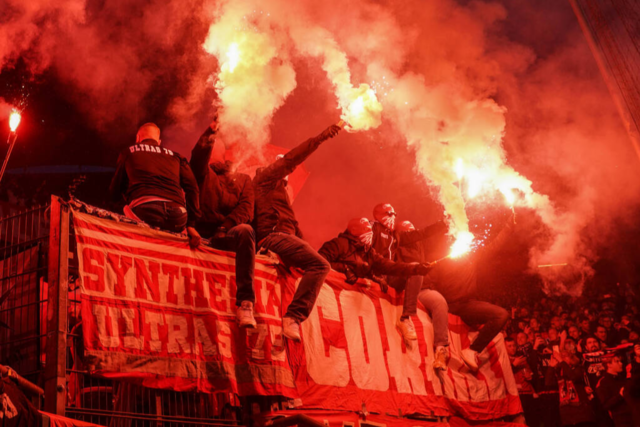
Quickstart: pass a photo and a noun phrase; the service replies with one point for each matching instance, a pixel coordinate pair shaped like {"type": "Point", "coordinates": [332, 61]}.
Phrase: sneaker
{"type": "Point", "coordinates": [244, 315]}
{"type": "Point", "coordinates": [407, 329]}
{"type": "Point", "coordinates": [440, 358]}
{"type": "Point", "coordinates": [470, 358]}
{"type": "Point", "coordinates": [291, 329]}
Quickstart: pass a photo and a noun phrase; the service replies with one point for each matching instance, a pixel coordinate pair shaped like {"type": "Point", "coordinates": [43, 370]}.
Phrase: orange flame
{"type": "Point", "coordinates": [14, 121]}
{"type": "Point", "coordinates": [462, 245]}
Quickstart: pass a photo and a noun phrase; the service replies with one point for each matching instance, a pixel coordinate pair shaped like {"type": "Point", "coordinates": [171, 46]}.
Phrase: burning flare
{"type": "Point", "coordinates": [363, 112]}
{"type": "Point", "coordinates": [462, 245]}
{"type": "Point", "coordinates": [14, 120]}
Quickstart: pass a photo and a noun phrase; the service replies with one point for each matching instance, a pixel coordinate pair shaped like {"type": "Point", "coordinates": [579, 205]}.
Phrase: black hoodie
{"type": "Point", "coordinates": [346, 252]}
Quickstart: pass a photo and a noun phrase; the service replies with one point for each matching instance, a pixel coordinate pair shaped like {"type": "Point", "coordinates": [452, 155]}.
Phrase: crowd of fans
{"type": "Point", "coordinates": [576, 360]}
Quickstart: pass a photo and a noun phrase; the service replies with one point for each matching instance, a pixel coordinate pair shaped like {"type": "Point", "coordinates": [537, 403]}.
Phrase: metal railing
{"type": "Point", "coordinates": [41, 334]}
{"type": "Point", "coordinates": [24, 239]}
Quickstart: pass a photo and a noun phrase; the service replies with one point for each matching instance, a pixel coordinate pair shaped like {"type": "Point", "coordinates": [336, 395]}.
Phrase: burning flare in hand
{"type": "Point", "coordinates": [462, 245]}
{"type": "Point", "coordinates": [361, 110]}
{"type": "Point", "coordinates": [14, 120]}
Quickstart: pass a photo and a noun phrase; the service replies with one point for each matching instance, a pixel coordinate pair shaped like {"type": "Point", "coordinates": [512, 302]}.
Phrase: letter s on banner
{"type": "Point", "coordinates": [332, 370]}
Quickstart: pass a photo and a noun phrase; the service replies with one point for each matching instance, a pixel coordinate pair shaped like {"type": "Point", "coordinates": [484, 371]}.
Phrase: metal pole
{"type": "Point", "coordinates": [6, 158]}
{"type": "Point", "coordinates": [55, 385]}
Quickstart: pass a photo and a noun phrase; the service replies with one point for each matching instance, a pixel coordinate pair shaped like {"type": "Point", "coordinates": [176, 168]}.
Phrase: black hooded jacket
{"type": "Point", "coordinates": [457, 278]}
{"type": "Point", "coordinates": [147, 169]}
{"type": "Point", "coordinates": [226, 198]}
{"type": "Point", "coordinates": [273, 211]}
{"type": "Point", "coordinates": [388, 242]}
{"type": "Point", "coordinates": [346, 252]}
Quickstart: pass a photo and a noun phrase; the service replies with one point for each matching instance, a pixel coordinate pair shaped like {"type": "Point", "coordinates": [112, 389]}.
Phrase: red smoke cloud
{"type": "Point", "coordinates": [132, 62]}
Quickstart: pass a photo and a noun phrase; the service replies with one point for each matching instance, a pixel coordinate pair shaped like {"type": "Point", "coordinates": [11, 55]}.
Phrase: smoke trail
{"type": "Point", "coordinates": [256, 74]}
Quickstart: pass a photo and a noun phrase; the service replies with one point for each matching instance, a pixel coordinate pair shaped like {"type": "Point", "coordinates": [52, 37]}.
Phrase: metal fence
{"type": "Point", "coordinates": [24, 239]}
{"type": "Point", "coordinates": [41, 334]}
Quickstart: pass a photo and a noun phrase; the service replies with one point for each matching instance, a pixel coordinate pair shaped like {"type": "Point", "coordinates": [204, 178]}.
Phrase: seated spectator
{"type": "Point", "coordinates": [157, 184]}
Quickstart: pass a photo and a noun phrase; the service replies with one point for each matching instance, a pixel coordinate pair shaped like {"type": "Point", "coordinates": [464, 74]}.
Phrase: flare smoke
{"type": "Point", "coordinates": [518, 106]}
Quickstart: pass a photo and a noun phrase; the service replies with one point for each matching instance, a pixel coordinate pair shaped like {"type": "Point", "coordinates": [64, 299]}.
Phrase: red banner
{"type": "Point", "coordinates": [158, 313]}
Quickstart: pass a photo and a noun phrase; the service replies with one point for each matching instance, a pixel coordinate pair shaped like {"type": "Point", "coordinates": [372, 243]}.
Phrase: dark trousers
{"type": "Point", "coordinates": [531, 409]}
{"type": "Point", "coordinates": [241, 239]}
{"type": "Point", "coordinates": [295, 252]}
{"type": "Point", "coordinates": [411, 287]}
{"type": "Point", "coordinates": [170, 216]}
{"type": "Point", "coordinates": [474, 312]}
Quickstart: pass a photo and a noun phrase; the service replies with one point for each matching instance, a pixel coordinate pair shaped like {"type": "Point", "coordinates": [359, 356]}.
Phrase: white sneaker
{"type": "Point", "coordinates": [440, 358]}
{"type": "Point", "coordinates": [470, 358]}
{"type": "Point", "coordinates": [291, 329]}
{"type": "Point", "coordinates": [407, 329]}
{"type": "Point", "coordinates": [244, 315]}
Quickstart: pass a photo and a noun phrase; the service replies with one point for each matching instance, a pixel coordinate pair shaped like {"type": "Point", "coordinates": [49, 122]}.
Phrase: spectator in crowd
{"type": "Point", "coordinates": [573, 392]}
{"type": "Point", "coordinates": [157, 184]}
{"type": "Point", "coordinates": [610, 392]}
{"type": "Point", "coordinates": [524, 381]}
{"type": "Point", "coordinates": [601, 334]}
{"type": "Point", "coordinates": [632, 387]}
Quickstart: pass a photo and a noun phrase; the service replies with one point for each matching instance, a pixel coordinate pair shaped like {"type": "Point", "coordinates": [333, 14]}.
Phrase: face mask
{"type": "Point", "coordinates": [366, 239]}
{"type": "Point", "coordinates": [389, 222]}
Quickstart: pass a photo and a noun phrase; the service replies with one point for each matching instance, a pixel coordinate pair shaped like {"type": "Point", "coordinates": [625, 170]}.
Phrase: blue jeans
{"type": "Point", "coordinates": [170, 216]}
{"type": "Point", "coordinates": [241, 239]}
{"type": "Point", "coordinates": [295, 252]}
{"type": "Point", "coordinates": [411, 287]}
{"type": "Point", "coordinates": [437, 307]}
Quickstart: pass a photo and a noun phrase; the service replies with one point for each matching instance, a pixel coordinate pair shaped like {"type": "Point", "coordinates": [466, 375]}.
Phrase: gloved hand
{"type": "Point", "coordinates": [423, 268]}
{"type": "Point", "coordinates": [351, 276]}
{"type": "Point", "coordinates": [194, 237]}
{"type": "Point", "coordinates": [384, 286]}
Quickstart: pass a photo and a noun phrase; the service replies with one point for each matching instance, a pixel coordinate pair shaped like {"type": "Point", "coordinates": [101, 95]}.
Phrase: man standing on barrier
{"type": "Point", "coordinates": [157, 184]}
{"type": "Point", "coordinates": [227, 205]}
{"type": "Point", "coordinates": [277, 230]}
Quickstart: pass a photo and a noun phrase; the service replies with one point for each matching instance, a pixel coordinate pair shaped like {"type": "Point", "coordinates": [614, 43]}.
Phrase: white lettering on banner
{"type": "Point", "coordinates": [403, 367]}
{"type": "Point", "coordinates": [178, 334]}
{"type": "Point", "coordinates": [278, 352]}
{"type": "Point", "coordinates": [130, 338]}
{"type": "Point", "coordinates": [201, 336]}
{"type": "Point", "coordinates": [106, 339]}
{"type": "Point", "coordinates": [427, 330]}
{"type": "Point", "coordinates": [361, 328]}
{"type": "Point", "coordinates": [145, 279]}
{"type": "Point", "coordinates": [224, 338]}
{"type": "Point", "coordinates": [257, 351]}
{"type": "Point", "coordinates": [154, 319]}
{"type": "Point", "coordinates": [333, 369]}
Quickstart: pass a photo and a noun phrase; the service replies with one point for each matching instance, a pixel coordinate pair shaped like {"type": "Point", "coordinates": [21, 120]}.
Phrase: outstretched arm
{"type": "Point", "coordinates": [201, 154]}
{"type": "Point", "coordinates": [410, 237]}
{"type": "Point", "coordinates": [287, 164]}
{"type": "Point", "coordinates": [120, 180]}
